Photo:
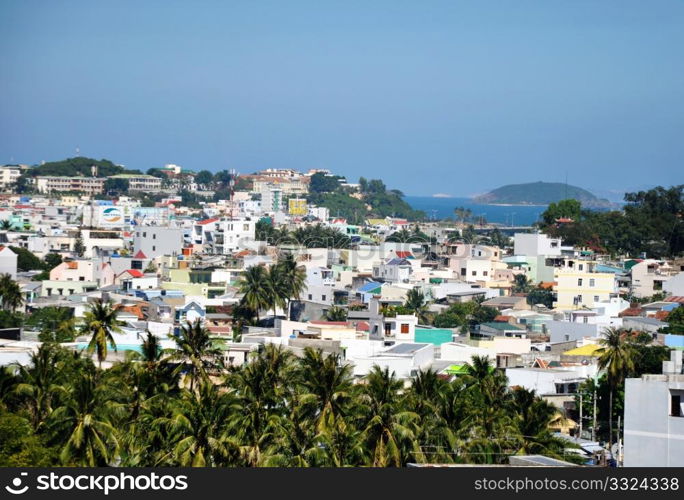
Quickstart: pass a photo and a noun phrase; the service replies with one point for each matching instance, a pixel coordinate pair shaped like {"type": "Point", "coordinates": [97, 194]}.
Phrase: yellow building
{"type": "Point", "coordinates": [296, 206]}
{"type": "Point", "coordinates": [576, 286]}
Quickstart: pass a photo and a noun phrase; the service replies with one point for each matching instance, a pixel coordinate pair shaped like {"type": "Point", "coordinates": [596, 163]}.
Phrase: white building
{"type": "Point", "coordinates": [88, 185]}
{"type": "Point", "coordinates": [224, 236]}
{"type": "Point", "coordinates": [8, 262]}
{"type": "Point", "coordinates": [654, 417]}
{"type": "Point", "coordinates": [154, 241]}
{"type": "Point", "coordinates": [9, 175]}
{"type": "Point", "coordinates": [536, 244]}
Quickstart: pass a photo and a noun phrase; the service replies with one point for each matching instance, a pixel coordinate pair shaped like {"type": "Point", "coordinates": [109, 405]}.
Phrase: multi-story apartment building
{"type": "Point", "coordinates": [88, 185]}
{"type": "Point", "coordinates": [654, 417]}
{"type": "Point", "coordinates": [9, 175]}
{"type": "Point", "coordinates": [140, 182]}
{"type": "Point", "coordinates": [154, 241]}
{"type": "Point", "coordinates": [224, 236]}
{"type": "Point", "coordinates": [577, 285]}
{"type": "Point", "coordinates": [649, 276]}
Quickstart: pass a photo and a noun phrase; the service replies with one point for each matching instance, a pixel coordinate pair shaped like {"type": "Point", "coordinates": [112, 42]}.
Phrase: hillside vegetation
{"type": "Point", "coordinates": [541, 193]}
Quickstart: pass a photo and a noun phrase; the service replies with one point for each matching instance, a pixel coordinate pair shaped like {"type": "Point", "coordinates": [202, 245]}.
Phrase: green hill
{"type": "Point", "coordinates": [541, 193]}
{"type": "Point", "coordinates": [76, 167]}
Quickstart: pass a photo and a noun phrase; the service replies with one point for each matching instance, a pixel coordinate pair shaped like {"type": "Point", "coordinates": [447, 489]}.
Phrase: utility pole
{"type": "Point", "coordinates": [619, 443]}
{"type": "Point", "coordinates": [593, 427]}
{"type": "Point", "coordinates": [581, 417]}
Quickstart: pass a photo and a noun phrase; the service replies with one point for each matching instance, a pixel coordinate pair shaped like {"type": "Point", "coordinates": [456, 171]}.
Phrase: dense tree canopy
{"type": "Point", "coordinates": [652, 221]}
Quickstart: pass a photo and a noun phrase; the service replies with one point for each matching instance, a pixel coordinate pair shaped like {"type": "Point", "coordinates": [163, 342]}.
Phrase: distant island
{"type": "Point", "coordinates": [540, 193]}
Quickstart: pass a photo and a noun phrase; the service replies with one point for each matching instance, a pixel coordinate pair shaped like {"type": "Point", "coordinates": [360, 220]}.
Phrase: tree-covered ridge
{"type": "Point", "coordinates": [371, 199]}
{"type": "Point", "coordinates": [541, 193]}
{"type": "Point", "coordinates": [79, 166]}
{"type": "Point", "coordinates": [652, 221]}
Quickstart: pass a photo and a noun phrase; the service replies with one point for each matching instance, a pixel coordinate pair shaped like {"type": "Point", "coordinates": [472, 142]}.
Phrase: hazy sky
{"type": "Point", "coordinates": [433, 97]}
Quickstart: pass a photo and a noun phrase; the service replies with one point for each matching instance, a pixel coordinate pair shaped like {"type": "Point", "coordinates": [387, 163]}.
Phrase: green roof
{"type": "Point", "coordinates": [456, 370]}
{"type": "Point", "coordinates": [435, 336]}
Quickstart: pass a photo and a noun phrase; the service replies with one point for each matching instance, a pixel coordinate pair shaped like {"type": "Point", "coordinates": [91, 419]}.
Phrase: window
{"type": "Point", "coordinates": [323, 298]}
{"type": "Point", "coordinates": [474, 273]}
{"type": "Point", "coordinates": [586, 319]}
{"type": "Point", "coordinates": [154, 236]}
{"type": "Point", "coordinates": [463, 271]}
{"type": "Point", "coordinates": [145, 234]}
{"type": "Point", "coordinates": [245, 227]}
{"type": "Point", "coordinates": [49, 292]}
{"type": "Point", "coordinates": [592, 282]}
{"type": "Point", "coordinates": [404, 328]}
{"type": "Point", "coordinates": [154, 248]}
{"type": "Point", "coordinates": [676, 405]}
{"type": "Point", "coordinates": [579, 281]}
{"type": "Point", "coordinates": [81, 278]}
{"type": "Point", "coordinates": [596, 298]}
{"type": "Point", "coordinates": [310, 297]}
{"type": "Point", "coordinates": [484, 273]}
{"type": "Point", "coordinates": [581, 267]}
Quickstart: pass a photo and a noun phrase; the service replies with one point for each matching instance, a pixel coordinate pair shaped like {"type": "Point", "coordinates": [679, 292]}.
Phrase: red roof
{"type": "Point", "coordinates": [140, 255]}
{"type": "Point", "coordinates": [675, 298]}
{"type": "Point", "coordinates": [662, 315]}
{"type": "Point", "coordinates": [402, 254]}
{"type": "Point", "coordinates": [135, 273]}
{"type": "Point", "coordinates": [208, 221]}
{"type": "Point", "coordinates": [362, 326]}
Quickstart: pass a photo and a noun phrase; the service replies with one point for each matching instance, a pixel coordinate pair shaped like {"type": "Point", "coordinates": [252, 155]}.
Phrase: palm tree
{"type": "Point", "coordinates": [489, 428]}
{"type": "Point", "coordinates": [293, 279]}
{"type": "Point", "coordinates": [389, 429]}
{"type": "Point", "coordinates": [328, 383]}
{"type": "Point", "coordinates": [100, 322]}
{"type": "Point", "coordinates": [6, 225]}
{"type": "Point", "coordinates": [533, 418]}
{"type": "Point", "coordinates": [415, 301]}
{"type": "Point", "coordinates": [198, 428]}
{"type": "Point", "coordinates": [38, 387]}
{"type": "Point", "coordinates": [196, 350]}
{"type": "Point", "coordinates": [616, 356]}
{"type": "Point", "coordinates": [521, 284]}
{"type": "Point", "coordinates": [10, 293]}
{"type": "Point", "coordinates": [277, 289]}
{"type": "Point", "coordinates": [336, 313]}
{"type": "Point", "coordinates": [83, 419]}
{"type": "Point", "coordinates": [255, 289]}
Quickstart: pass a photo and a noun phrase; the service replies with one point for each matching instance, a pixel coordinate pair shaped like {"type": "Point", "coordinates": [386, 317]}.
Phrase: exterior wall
{"type": "Point", "coordinates": [157, 241]}
{"type": "Point", "coordinates": [9, 175]}
{"type": "Point", "coordinates": [535, 245]}
{"type": "Point", "coordinates": [645, 281]}
{"type": "Point", "coordinates": [653, 438]}
{"type": "Point", "coordinates": [594, 288]}
{"type": "Point", "coordinates": [89, 185]}
{"type": "Point", "coordinates": [675, 285]}
{"type": "Point", "coordinates": [566, 331]}
{"type": "Point", "coordinates": [8, 262]}
{"type": "Point", "coordinates": [140, 182]}
{"type": "Point", "coordinates": [52, 288]}
{"type": "Point", "coordinates": [539, 380]}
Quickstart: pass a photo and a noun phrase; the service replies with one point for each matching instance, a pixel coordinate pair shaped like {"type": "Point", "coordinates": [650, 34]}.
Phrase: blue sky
{"type": "Point", "coordinates": [433, 97]}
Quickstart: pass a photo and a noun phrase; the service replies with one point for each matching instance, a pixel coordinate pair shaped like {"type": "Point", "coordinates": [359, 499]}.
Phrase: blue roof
{"type": "Point", "coordinates": [398, 262]}
{"type": "Point", "coordinates": [369, 286]}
